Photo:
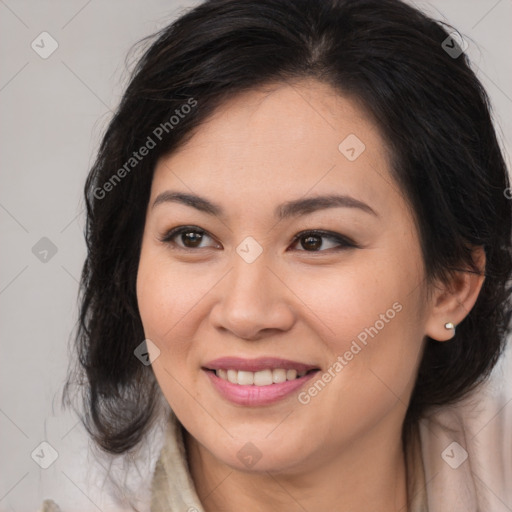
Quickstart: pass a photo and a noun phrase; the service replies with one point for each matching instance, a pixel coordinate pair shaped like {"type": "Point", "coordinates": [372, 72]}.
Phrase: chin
{"type": "Point", "coordinates": [255, 454]}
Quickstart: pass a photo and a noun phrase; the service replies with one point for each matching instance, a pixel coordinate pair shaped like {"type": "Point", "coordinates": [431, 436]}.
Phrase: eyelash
{"type": "Point", "coordinates": [344, 242]}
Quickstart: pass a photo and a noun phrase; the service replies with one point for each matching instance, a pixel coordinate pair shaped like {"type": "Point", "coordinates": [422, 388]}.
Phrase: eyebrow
{"type": "Point", "coordinates": [286, 210]}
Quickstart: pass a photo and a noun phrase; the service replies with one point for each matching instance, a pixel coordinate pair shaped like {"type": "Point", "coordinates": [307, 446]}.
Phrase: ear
{"type": "Point", "coordinates": [452, 301]}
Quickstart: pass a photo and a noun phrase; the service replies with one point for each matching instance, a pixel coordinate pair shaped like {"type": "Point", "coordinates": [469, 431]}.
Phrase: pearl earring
{"type": "Point", "coordinates": [449, 325]}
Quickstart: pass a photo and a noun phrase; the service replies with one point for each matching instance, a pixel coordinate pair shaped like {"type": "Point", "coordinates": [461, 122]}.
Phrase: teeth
{"type": "Point", "coordinates": [291, 374]}
{"type": "Point", "coordinates": [232, 376]}
{"type": "Point", "coordinates": [245, 378]}
{"type": "Point", "coordinates": [261, 378]}
{"type": "Point", "coordinates": [223, 374]}
{"type": "Point", "coordinates": [278, 376]}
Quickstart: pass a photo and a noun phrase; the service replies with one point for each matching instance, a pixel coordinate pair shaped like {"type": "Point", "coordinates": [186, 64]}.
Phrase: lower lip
{"type": "Point", "coordinates": [257, 395]}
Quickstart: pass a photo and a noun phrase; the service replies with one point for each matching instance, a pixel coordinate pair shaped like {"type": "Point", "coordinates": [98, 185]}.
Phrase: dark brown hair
{"type": "Point", "coordinates": [429, 106]}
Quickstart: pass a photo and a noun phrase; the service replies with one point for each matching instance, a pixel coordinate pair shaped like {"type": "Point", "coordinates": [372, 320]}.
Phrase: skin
{"type": "Point", "coordinates": [341, 451]}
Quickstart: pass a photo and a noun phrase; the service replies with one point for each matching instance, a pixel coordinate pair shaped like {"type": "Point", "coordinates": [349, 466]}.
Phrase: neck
{"type": "Point", "coordinates": [370, 475]}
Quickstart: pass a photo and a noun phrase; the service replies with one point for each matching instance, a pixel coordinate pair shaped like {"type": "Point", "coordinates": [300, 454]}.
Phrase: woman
{"type": "Point", "coordinates": [298, 253]}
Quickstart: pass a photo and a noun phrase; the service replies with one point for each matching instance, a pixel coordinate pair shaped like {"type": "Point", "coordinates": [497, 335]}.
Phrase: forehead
{"type": "Point", "coordinates": [282, 141]}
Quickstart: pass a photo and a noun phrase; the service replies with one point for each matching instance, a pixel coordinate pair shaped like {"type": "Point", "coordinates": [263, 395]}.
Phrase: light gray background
{"type": "Point", "coordinates": [53, 112]}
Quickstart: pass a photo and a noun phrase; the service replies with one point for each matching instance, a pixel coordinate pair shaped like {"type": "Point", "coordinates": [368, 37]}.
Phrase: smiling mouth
{"type": "Point", "coordinates": [267, 377]}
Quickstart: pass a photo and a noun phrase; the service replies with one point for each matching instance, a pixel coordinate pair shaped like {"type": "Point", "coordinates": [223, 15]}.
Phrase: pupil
{"type": "Point", "coordinates": [192, 238]}
{"type": "Point", "coordinates": [312, 242]}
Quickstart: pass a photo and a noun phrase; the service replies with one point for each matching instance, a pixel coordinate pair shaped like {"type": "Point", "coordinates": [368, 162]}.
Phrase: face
{"type": "Point", "coordinates": [257, 279]}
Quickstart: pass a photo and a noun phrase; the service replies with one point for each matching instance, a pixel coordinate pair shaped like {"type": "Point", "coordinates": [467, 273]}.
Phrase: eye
{"type": "Point", "coordinates": [313, 241]}
{"type": "Point", "coordinates": [190, 237]}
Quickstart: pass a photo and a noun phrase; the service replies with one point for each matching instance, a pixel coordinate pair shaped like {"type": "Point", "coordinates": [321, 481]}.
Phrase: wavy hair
{"type": "Point", "coordinates": [430, 108]}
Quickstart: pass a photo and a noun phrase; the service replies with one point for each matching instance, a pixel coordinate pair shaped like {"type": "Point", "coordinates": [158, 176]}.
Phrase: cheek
{"type": "Point", "coordinates": [370, 321]}
{"type": "Point", "coordinates": [346, 301]}
{"type": "Point", "coordinates": [172, 297]}
{"type": "Point", "coordinates": [166, 294]}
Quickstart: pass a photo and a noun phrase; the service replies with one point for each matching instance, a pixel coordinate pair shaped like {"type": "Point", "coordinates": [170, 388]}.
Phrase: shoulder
{"type": "Point", "coordinates": [467, 447]}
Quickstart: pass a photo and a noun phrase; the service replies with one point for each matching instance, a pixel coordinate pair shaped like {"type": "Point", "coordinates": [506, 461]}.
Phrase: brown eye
{"type": "Point", "coordinates": [314, 241]}
{"type": "Point", "coordinates": [311, 242]}
{"type": "Point", "coordinates": [186, 237]}
{"type": "Point", "coordinates": [191, 238]}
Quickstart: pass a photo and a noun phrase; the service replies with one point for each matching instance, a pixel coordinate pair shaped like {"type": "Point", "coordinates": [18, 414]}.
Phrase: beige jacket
{"type": "Point", "coordinates": [461, 460]}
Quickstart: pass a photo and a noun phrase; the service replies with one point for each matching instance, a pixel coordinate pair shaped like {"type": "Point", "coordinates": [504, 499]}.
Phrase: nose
{"type": "Point", "coordinates": [253, 302]}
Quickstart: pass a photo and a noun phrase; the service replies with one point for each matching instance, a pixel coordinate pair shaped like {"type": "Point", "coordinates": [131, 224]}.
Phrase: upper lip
{"type": "Point", "coordinates": [256, 365]}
